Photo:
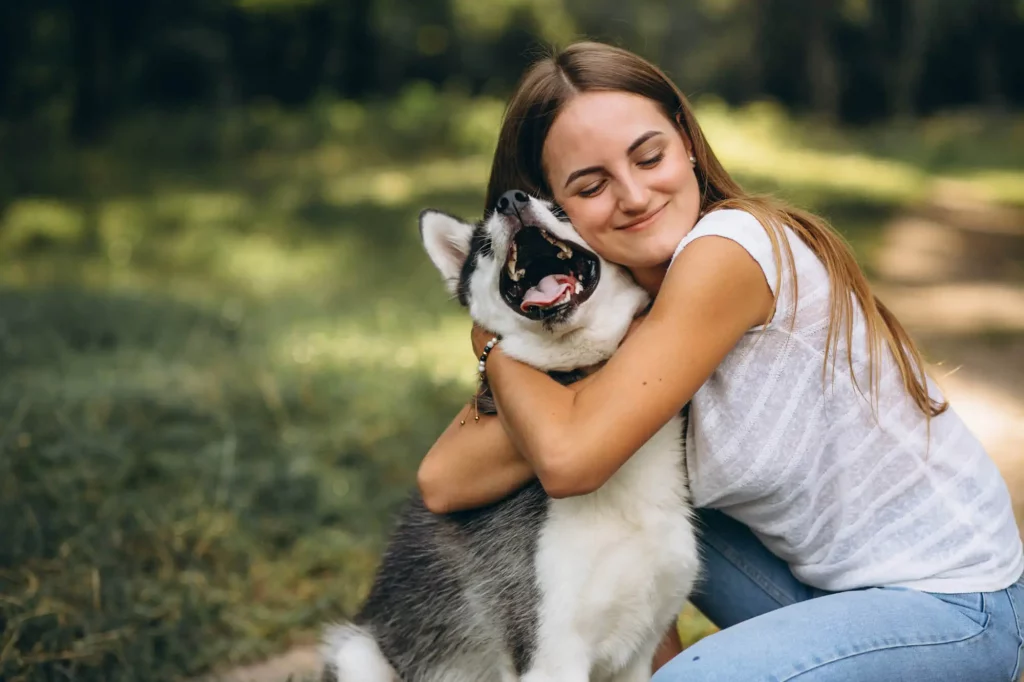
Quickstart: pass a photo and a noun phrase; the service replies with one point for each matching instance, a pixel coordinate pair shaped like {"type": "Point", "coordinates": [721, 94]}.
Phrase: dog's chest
{"type": "Point", "coordinates": [620, 561]}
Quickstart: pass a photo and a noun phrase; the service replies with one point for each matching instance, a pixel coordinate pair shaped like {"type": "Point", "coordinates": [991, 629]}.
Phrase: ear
{"type": "Point", "coordinates": [446, 240]}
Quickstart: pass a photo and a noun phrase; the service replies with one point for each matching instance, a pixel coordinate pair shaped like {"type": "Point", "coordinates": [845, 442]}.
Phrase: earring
{"type": "Point", "coordinates": [693, 160]}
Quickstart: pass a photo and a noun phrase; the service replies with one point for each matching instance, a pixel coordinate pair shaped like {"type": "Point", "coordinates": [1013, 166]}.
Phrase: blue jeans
{"type": "Point", "coordinates": [775, 628]}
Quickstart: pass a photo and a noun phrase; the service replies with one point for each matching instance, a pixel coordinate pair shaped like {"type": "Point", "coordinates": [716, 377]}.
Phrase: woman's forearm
{"type": "Point", "coordinates": [536, 434]}
{"type": "Point", "coordinates": [474, 464]}
{"type": "Point", "coordinates": [471, 465]}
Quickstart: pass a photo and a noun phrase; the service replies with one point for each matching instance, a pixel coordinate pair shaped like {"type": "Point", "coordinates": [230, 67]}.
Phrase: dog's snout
{"type": "Point", "coordinates": [512, 201]}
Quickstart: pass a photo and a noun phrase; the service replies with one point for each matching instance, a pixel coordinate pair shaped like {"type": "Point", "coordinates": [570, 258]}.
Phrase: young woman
{"type": "Point", "coordinates": [852, 527]}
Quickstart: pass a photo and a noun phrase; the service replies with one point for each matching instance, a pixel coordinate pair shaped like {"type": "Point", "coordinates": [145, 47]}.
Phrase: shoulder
{"type": "Point", "coordinates": [733, 223]}
{"type": "Point", "coordinates": [743, 229]}
{"type": "Point", "coordinates": [719, 275]}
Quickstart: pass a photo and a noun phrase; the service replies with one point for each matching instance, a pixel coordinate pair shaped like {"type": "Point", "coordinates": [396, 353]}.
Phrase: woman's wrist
{"type": "Point", "coordinates": [499, 365]}
{"type": "Point", "coordinates": [495, 357]}
{"type": "Point", "coordinates": [481, 367]}
{"type": "Point", "coordinates": [478, 338]}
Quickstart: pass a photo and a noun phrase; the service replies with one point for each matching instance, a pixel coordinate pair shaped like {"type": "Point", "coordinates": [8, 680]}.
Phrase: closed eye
{"type": "Point", "coordinates": [594, 189]}
{"type": "Point", "coordinates": [651, 161]}
{"type": "Point", "coordinates": [648, 162]}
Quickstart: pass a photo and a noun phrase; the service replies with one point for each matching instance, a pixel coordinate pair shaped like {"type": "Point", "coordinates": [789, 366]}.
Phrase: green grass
{"type": "Point", "coordinates": [223, 358]}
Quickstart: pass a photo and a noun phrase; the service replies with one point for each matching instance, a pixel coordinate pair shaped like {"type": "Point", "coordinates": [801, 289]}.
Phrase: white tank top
{"type": "Point", "coordinates": [846, 500]}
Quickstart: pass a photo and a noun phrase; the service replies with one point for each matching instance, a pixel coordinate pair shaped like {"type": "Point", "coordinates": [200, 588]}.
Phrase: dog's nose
{"type": "Point", "coordinates": [512, 201]}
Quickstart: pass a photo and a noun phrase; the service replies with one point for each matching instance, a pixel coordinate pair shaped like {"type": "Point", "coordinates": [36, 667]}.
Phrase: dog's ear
{"type": "Point", "coordinates": [447, 240]}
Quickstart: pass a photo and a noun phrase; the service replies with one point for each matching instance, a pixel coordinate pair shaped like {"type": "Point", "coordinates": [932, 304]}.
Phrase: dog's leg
{"type": "Point", "coordinates": [578, 674]}
{"type": "Point", "coordinates": [639, 669]}
{"type": "Point", "coordinates": [561, 655]}
{"type": "Point", "coordinates": [567, 662]}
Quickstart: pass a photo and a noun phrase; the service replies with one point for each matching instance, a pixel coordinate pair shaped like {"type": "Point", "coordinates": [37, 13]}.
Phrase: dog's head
{"type": "Point", "coordinates": [526, 274]}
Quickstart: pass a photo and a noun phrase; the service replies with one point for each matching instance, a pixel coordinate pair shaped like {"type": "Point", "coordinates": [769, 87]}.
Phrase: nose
{"type": "Point", "coordinates": [633, 195]}
{"type": "Point", "coordinates": [512, 201]}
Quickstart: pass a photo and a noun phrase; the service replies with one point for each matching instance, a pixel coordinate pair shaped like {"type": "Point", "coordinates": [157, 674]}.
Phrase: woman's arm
{"type": "Point", "coordinates": [473, 464]}
{"type": "Point", "coordinates": [576, 440]}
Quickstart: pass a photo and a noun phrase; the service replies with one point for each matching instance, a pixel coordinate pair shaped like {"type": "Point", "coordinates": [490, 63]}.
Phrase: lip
{"type": "Point", "coordinates": [641, 223]}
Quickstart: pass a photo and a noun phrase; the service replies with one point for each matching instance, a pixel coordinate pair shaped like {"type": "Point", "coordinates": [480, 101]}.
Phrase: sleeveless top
{"type": "Point", "coordinates": [849, 496]}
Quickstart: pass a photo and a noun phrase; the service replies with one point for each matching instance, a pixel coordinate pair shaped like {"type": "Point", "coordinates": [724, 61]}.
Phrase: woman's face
{"type": "Point", "coordinates": [621, 171]}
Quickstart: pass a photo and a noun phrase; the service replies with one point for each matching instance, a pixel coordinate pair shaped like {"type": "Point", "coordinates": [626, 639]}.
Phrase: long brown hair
{"type": "Point", "coordinates": [589, 66]}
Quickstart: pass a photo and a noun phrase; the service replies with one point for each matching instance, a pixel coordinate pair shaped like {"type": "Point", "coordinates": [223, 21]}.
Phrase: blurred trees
{"type": "Point", "coordinates": [73, 67]}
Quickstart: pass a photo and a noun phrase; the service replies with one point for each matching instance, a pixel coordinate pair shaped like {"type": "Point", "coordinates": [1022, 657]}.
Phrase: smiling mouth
{"type": "Point", "coordinates": [645, 219]}
{"type": "Point", "coordinates": [545, 278]}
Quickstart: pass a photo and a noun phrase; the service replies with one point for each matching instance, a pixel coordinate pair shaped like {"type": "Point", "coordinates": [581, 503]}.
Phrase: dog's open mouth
{"type": "Point", "coordinates": [544, 277]}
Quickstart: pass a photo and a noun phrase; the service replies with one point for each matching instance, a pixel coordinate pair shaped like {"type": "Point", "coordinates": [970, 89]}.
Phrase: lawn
{"type": "Point", "coordinates": [224, 352]}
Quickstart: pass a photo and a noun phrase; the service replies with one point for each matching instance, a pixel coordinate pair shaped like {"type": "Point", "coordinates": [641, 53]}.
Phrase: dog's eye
{"type": "Point", "coordinates": [557, 211]}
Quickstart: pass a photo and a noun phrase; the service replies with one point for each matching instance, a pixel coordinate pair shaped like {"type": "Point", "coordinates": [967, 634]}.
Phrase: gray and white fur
{"type": "Point", "coordinates": [531, 588]}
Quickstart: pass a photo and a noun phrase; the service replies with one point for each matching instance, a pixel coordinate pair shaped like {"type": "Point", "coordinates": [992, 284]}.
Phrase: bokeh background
{"type": "Point", "coordinates": [223, 351]}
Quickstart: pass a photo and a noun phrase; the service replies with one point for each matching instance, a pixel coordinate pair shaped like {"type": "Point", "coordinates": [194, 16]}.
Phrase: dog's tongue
{"type": "Point", "coordinates": [547, 291]}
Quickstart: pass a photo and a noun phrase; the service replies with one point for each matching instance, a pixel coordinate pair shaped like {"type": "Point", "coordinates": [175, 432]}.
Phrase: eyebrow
{"type": "Point", "coordinates": [629, 150]}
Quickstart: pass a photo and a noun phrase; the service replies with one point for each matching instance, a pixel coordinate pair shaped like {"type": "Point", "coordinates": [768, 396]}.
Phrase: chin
{"type": "Point", "coordinates": [644, 260]}
{"type": "Point", "coordinates": [646, 249]}
{"type": "Point", "coordinates": [657, 251]}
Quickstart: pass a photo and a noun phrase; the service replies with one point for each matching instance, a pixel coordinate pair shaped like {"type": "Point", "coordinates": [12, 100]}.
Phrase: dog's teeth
{"type": "Point", "coordinates": [579, 287]}
{"type": "Point", "coordinates": [513, 273]}
{"type": "Point", "coordinates": [564, 252]}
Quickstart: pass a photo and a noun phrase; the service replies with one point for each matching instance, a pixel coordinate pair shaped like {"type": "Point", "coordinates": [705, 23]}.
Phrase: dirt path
{"type": "Point", "coordinates": [953, 271]}
{"type": "Point", "coordinates": [301, 664]}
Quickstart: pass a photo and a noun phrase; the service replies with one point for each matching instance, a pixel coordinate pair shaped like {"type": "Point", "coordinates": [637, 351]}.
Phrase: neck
{"type": "Point", "coordinates": [650, 278]}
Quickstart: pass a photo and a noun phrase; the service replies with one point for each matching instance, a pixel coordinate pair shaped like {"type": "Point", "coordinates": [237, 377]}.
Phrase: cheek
{"type": "Point", "coordinates": [590, 216]}
{"type": "Point", "coordinates": [677, 177]}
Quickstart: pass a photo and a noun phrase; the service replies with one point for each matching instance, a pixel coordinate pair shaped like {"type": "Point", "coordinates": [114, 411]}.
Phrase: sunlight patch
{"type": "Point", "coordinates": [758, 142]}
{"type": "Point", "coordinates": [442, 351]}
{"type": "Point", "coordinates": [413, 183]}
{"type": "Point", "coordinates": [202, 207]}
{"type": "Point", "coordinates": [30, 220]}
{"type": "Point", "coordinates": [265, 267]}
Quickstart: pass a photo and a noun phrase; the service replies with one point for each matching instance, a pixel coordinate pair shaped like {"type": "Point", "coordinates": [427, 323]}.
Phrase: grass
{"type": "Point", "coordinates": [223, 358]}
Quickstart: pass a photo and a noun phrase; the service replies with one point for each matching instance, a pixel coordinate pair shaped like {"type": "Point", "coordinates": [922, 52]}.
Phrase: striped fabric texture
{"type": "Point", "coordinates": [849, 493]}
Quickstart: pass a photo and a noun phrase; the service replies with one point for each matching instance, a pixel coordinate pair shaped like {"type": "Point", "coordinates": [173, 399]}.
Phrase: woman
{"type": "Point", "coordinates": [852, 527]}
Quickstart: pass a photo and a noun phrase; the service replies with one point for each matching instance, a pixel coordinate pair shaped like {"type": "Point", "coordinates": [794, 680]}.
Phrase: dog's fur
{"type": "Point", "coordinates": [531, 588]}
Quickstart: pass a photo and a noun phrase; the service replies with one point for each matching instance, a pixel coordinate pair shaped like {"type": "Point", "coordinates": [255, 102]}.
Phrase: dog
{"type": "Point", "coordinates": [532, 588]}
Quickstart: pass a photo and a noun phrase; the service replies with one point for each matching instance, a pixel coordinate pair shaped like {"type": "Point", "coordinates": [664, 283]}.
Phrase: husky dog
{"type": "Point", "coordinates": [532, 588]}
